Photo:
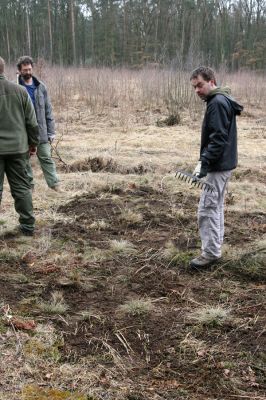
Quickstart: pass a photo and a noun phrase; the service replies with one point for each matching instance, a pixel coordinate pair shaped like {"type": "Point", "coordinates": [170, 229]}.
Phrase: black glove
{"type": "Point", "coordinates": [204, 169]}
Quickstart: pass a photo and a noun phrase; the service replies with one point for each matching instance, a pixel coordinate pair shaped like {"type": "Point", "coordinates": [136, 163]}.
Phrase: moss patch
{"type": "Point", "coordinates": [37, 393]}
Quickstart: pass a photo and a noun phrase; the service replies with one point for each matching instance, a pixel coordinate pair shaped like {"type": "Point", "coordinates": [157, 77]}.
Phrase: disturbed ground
{"type": "Point", "coordinates": [102, 304]}
{"type": "Point", "coordinates": [156, 344]}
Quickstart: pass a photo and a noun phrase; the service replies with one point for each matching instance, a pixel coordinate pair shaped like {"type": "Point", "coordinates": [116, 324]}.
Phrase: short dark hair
{"type": "Point", "coordinates": [2, 65]}
{"type": "Point", "coordinates": [207, 74]}
{"type": "Point", "coordinates": [24, 60]}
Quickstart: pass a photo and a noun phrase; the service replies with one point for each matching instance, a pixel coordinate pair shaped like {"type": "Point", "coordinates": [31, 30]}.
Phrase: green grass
{"type": "Point", "coordinates": [251, 265]}
{"type": "Point", "coordinates": [56, 305]}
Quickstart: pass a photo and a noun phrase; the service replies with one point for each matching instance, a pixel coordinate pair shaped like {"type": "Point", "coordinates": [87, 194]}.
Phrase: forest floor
{"type": "Point", "coordinates": [101, 303]}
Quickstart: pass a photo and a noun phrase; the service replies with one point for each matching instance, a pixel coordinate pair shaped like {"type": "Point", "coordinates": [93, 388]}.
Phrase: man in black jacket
{"type": "Point", "coordinates": [218, 157]}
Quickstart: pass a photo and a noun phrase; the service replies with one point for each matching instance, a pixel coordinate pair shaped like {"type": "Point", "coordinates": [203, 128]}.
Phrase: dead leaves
{"type": "Point", "coordinates": [16, 322]}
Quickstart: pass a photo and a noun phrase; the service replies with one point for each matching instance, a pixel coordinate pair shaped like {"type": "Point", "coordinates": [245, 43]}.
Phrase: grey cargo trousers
{"type": "Point", "coordinates": [211, 215]}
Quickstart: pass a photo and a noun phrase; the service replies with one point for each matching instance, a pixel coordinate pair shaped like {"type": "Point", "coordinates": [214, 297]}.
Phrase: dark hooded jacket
{"type": "Point", "coordinates": [219, 133]}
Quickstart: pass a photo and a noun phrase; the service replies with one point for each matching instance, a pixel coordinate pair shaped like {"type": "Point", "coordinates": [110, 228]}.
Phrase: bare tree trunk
{"type": "Point", "coordinates": [50, 30]}
{"type": "Point", "coordinates": [92, 8]}
{"type": "Point", "coordinates": [8, 44]}
{"type": "Point", "coordinates": [124, 57]}
{"type": "Point", "coordinates": [73, 31]}
{"type": "Point", "coordinates": [28, 29]}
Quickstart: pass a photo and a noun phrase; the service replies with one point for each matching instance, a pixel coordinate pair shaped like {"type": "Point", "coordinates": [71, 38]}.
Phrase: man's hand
{"type": "Point", "coordinates": [196, 171]}
{"type": "Point", "coordinates": [203, 170]}
{"type": "Point", "coordinates": [32, 150]}
{"type": "Point", "coordinates": [51, 138]}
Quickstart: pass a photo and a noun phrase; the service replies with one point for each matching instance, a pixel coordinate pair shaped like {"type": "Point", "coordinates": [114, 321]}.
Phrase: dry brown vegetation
{"type": "Point", "coordinates": [101, 304]}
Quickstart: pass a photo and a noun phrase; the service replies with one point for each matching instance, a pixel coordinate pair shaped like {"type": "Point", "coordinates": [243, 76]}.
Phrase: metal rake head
{"type": "Point", "coordinates": [193, 180]}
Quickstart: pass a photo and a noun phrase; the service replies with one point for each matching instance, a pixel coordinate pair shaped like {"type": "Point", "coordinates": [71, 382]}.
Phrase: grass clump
{"type": "Point", "coordinates": [56, 305]}
{"type": "Point", "coordinates": [99, 225]}
{"type": "Point", "coordinates": [190, 343]}
{"type": "Point", "coordinates": [174, 256]}
{"type": "Point", "coordinates": [137, 307]}
{"type": "Point", "coordinates": [131, 217]}
{"type": "Point", "coordinates": [8, 256]}
{"type": "Point", "coordinates": [210, 316]}
{"type": "Point", "coordinates": [35, 348]}
{"type": "Point", "coordinates": [251, 265]}
{"type": "Point", "coordinates": [122, 247]}
{"type": "Point", "coordinates": [93, 254]}
{"type": "Point", "coordinates": [46, 344]}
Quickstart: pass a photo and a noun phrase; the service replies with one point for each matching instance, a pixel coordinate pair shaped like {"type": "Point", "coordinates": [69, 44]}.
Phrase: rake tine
{"type": "Point", "coordinates": [193, 180]}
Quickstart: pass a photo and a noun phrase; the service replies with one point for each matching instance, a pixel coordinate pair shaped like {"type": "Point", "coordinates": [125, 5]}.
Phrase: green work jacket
{"type": "Point", "coordinates": [18, 124]}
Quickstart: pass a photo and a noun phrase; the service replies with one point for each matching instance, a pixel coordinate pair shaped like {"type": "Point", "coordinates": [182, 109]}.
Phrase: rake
{"type": "Point", "coordinates": [194, 180]}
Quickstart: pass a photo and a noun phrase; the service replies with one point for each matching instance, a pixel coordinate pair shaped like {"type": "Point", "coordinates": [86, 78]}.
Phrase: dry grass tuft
{"type": "Point", "coordinates": [122, 247]}
{"type": "Point", "coordinates": [193, 344]}
{"type": "Point", "coordinates": [170, 252]}
{"type": "Point", "coordinates": [210, 316]}
{"type": "Point", "coordinates": [99, 225]}
{"type": "Point", "coordinates": [131, 217]}
{"type": "Point", "coordinates": [56, 305]}
{"type": "Point", "coordinates": [174, 256]}
{"type": "Point", "coordinates": [137, 307]}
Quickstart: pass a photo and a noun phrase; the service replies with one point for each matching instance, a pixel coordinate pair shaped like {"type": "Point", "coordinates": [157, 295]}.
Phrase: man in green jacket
{"type": "Point", "coordinates": [19, 136]}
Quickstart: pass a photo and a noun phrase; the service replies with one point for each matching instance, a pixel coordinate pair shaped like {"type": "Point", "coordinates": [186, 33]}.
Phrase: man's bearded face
{"type": "Point", "coordinates": [26, 71]}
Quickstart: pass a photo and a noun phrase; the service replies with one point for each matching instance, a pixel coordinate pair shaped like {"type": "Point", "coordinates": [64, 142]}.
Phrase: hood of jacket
{"type": "Point", "coordinates": [226, 91]}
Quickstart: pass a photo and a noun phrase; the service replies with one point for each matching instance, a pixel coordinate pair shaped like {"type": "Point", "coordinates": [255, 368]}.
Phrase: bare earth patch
{"type": "Point", "coordinates": [105, 295]}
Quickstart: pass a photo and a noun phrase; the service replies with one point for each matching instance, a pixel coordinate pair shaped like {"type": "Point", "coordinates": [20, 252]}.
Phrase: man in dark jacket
{"type": "Point", "coordinates": [43, 109]}
{"type": "Point", "coordinates": [218, 157]}
{"type": "Point", "coordinates": [18, 138]}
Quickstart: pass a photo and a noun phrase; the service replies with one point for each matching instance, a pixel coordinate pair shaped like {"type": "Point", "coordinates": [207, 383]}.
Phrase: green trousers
{"type": "Point", "coordinates": [15, 168]}
{"type": "Point", "coordinates": [47, 165]}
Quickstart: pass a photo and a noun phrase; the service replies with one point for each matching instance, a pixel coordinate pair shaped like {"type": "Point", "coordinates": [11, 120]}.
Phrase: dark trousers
{"type": "Point", "coordinates": [15, 168]}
